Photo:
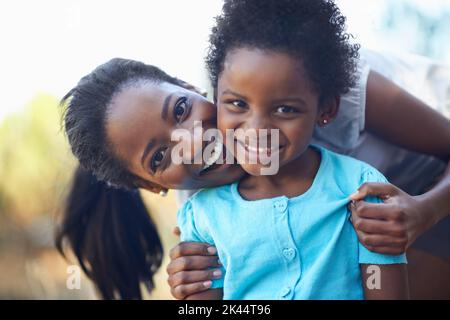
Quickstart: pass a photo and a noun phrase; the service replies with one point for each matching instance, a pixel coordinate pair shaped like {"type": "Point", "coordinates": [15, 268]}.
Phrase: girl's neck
{"type": "Point", "coordinates": [293, 179]}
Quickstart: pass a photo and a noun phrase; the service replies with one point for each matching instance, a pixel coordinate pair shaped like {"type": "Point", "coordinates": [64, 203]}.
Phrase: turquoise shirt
{"type": "Point", "coordinates": [287, 248]}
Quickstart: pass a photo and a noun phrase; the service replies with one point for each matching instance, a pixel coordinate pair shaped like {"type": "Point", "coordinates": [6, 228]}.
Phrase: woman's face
{"type": "Point", "coordinates": [140, 122]}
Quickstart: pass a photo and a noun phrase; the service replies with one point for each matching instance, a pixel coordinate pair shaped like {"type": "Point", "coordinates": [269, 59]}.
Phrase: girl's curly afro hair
{"type": "Point", "coordinates": [311, 30]}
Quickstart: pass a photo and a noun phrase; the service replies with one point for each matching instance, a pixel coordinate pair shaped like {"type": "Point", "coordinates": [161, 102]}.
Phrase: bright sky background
{"type": "Point", "coordinates": [48, 45]}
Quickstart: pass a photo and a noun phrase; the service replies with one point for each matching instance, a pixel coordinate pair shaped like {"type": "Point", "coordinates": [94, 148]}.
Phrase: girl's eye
{"type": "Point", "coordinates": [286, 109]}
{"type": "Point", "coordinates": [157, 158]}
{"type": "Point", "coordinates": [239, 103]}
{"type": "Point", "coordinates": [180, 109]}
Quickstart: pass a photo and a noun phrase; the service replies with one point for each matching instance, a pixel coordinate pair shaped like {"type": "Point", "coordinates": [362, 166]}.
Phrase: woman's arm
{"type": "Point", "coordinates": [385, 282]}
{"type": "Point", "coordinates": [399, 118]}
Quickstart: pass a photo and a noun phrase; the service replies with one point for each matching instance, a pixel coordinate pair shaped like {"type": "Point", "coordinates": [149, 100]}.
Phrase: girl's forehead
{"type": "Point", "coordinates": [248, 67]}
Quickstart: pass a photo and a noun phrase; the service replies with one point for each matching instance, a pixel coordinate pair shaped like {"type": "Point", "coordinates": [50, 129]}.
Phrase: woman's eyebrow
{"type": "Point", "coordinates": [165, 108]}
{"type": "Point", "coordinates": [148, 148]}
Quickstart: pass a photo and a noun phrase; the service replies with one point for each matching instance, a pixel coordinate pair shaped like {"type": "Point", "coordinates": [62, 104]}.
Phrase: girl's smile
{"type": "Point", "coordinates": [266, 90]}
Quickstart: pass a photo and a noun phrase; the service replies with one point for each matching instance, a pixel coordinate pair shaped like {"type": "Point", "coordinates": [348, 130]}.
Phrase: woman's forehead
{"type": "Point", "coordinates": [142, 97]}
{"type": "Point", "coordinates": [129, 117]}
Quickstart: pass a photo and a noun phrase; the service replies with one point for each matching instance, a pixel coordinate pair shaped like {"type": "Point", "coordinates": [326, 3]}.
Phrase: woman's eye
{"type": "Point", "coordinates": [286, 109]}
{"type": "Point", "coordinates": [180, 109]}
{"type": "Point", "coordinates": [157, 158]}
{"type": "Point", "coordinates": [239, 103]}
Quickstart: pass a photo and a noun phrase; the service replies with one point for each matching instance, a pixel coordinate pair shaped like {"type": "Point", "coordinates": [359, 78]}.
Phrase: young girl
{"type": "Point", "coordinates": [377, 123]}
{"type": "Point", "coordinates": [286, 236]}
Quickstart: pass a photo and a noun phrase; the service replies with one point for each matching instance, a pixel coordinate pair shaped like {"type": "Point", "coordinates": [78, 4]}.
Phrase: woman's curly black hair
{"type": "Point", "coordinates": [311, 30]}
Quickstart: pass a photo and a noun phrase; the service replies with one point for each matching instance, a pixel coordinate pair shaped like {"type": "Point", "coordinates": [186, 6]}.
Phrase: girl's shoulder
{"type": "Point", "coordinates": [350, 173]}
{"type": "Point", "coordinates": [205, 199]}
{"type": "Point", "coordinates": [211, 194]}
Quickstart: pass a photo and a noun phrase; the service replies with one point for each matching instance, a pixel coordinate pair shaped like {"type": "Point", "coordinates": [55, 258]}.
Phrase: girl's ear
{"type": "Point", "coordinates": [328, 111]}
{"type": "Point", "coordinates": [191, 87]}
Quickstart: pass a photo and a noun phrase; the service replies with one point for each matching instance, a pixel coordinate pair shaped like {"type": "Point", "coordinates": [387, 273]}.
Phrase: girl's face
{"type": "Point", "coordinates": [267, 90]}
{"type": "Point", "coordinates": [139, 125]}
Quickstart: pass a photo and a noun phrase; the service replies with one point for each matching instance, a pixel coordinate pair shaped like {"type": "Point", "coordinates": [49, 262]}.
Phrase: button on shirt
{"type": "Point", "coordinates": [287, 248]}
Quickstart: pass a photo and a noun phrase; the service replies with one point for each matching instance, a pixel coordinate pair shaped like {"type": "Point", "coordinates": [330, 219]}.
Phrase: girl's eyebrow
{"type": "Point", "coordinates": [228, 91]}
{"type": "Point", "coordinates": [293, 99]}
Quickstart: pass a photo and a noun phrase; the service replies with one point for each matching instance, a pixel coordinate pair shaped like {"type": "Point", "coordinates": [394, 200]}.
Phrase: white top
{"type": "Point", "coordinates": [427, 80]}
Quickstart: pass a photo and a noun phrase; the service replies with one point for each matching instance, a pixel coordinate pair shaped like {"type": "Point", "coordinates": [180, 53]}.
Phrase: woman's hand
{"type": "Point", "coordinates": [192, 267]}
{"type": "Point", "coordinates": [392, 226]}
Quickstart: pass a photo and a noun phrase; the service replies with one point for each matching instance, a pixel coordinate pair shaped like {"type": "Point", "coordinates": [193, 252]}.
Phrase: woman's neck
{"type": "Point", "coordinates": [293, 179]}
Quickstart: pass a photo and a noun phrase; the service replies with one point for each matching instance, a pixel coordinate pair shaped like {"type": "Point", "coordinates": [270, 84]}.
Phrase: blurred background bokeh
{"type": "Point", "coordinates": [47, 46]}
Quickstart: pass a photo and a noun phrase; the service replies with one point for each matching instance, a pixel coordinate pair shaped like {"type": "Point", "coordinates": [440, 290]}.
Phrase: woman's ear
{"type": "Point", "coordinates": [152, 187]}
{"type": "Point", "coordinates": [191, 87]}
{"type": "Point", "coordinates": [328, 111]}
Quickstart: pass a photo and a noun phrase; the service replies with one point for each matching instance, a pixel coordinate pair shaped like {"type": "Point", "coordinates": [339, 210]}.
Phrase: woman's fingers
{"type": "Point", "coordinates": [189, 263]}
{"type": "Point", "coordinates": [376, 240]}
{"type": "Point", "coordinates": [189, 277]}
{"type": "Point", "coordinates": [190, 268]}
{"type": "Point", "coordinates": [192, 249]}
{"type": "Point", "coordinates": [182, 291]}
{"type": "Point", "coordinates": [379, 211]}
{"type": "Point", "coordinates": [386, 236]}
{"type": "Point", "coordinates": [373, 226]}
{"type": "Point", "coordinates": [382, 244]}
{"type": "Point", "coordinates": [382, 190]}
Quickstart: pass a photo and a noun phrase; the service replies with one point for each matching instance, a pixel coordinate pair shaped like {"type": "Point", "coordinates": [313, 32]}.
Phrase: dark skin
{"type": "Point", "coordinates": [392, 227]}
{"type": "Point", "coordinates": [393, 114]}
{"type": "Point", "coordinates": [140, 122]}
{"type": "Point", "coordinates": [408, 216]}
{"type": "Point", "coordinates": [278, 96]}
{"type": "Point", "coordinates": [386, 102]}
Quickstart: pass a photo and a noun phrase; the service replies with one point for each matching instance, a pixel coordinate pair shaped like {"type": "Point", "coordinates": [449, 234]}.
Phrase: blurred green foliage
{"type": "Point", "coordinates": [35, 161]}
{"type": "Point", "coordinates": [36, 168]}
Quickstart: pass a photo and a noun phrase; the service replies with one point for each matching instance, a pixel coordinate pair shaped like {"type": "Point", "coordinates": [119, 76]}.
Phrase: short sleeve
{"type": "Point", "coordinates": [190, 232]}
{"type": "Point", "coordinates": [187, 224]}
{"type": "Point", "coordinates": [342, 134]}
{"type": "Point", "coordinates": [366, 256]}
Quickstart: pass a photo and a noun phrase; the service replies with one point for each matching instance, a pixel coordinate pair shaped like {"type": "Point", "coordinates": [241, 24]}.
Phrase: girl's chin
{"type": "Point", "coordinates": [258, 169]}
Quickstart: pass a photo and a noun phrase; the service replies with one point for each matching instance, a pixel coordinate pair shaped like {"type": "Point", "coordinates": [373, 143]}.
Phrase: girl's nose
{"type": "Point", "coordinates": [258, 121]}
